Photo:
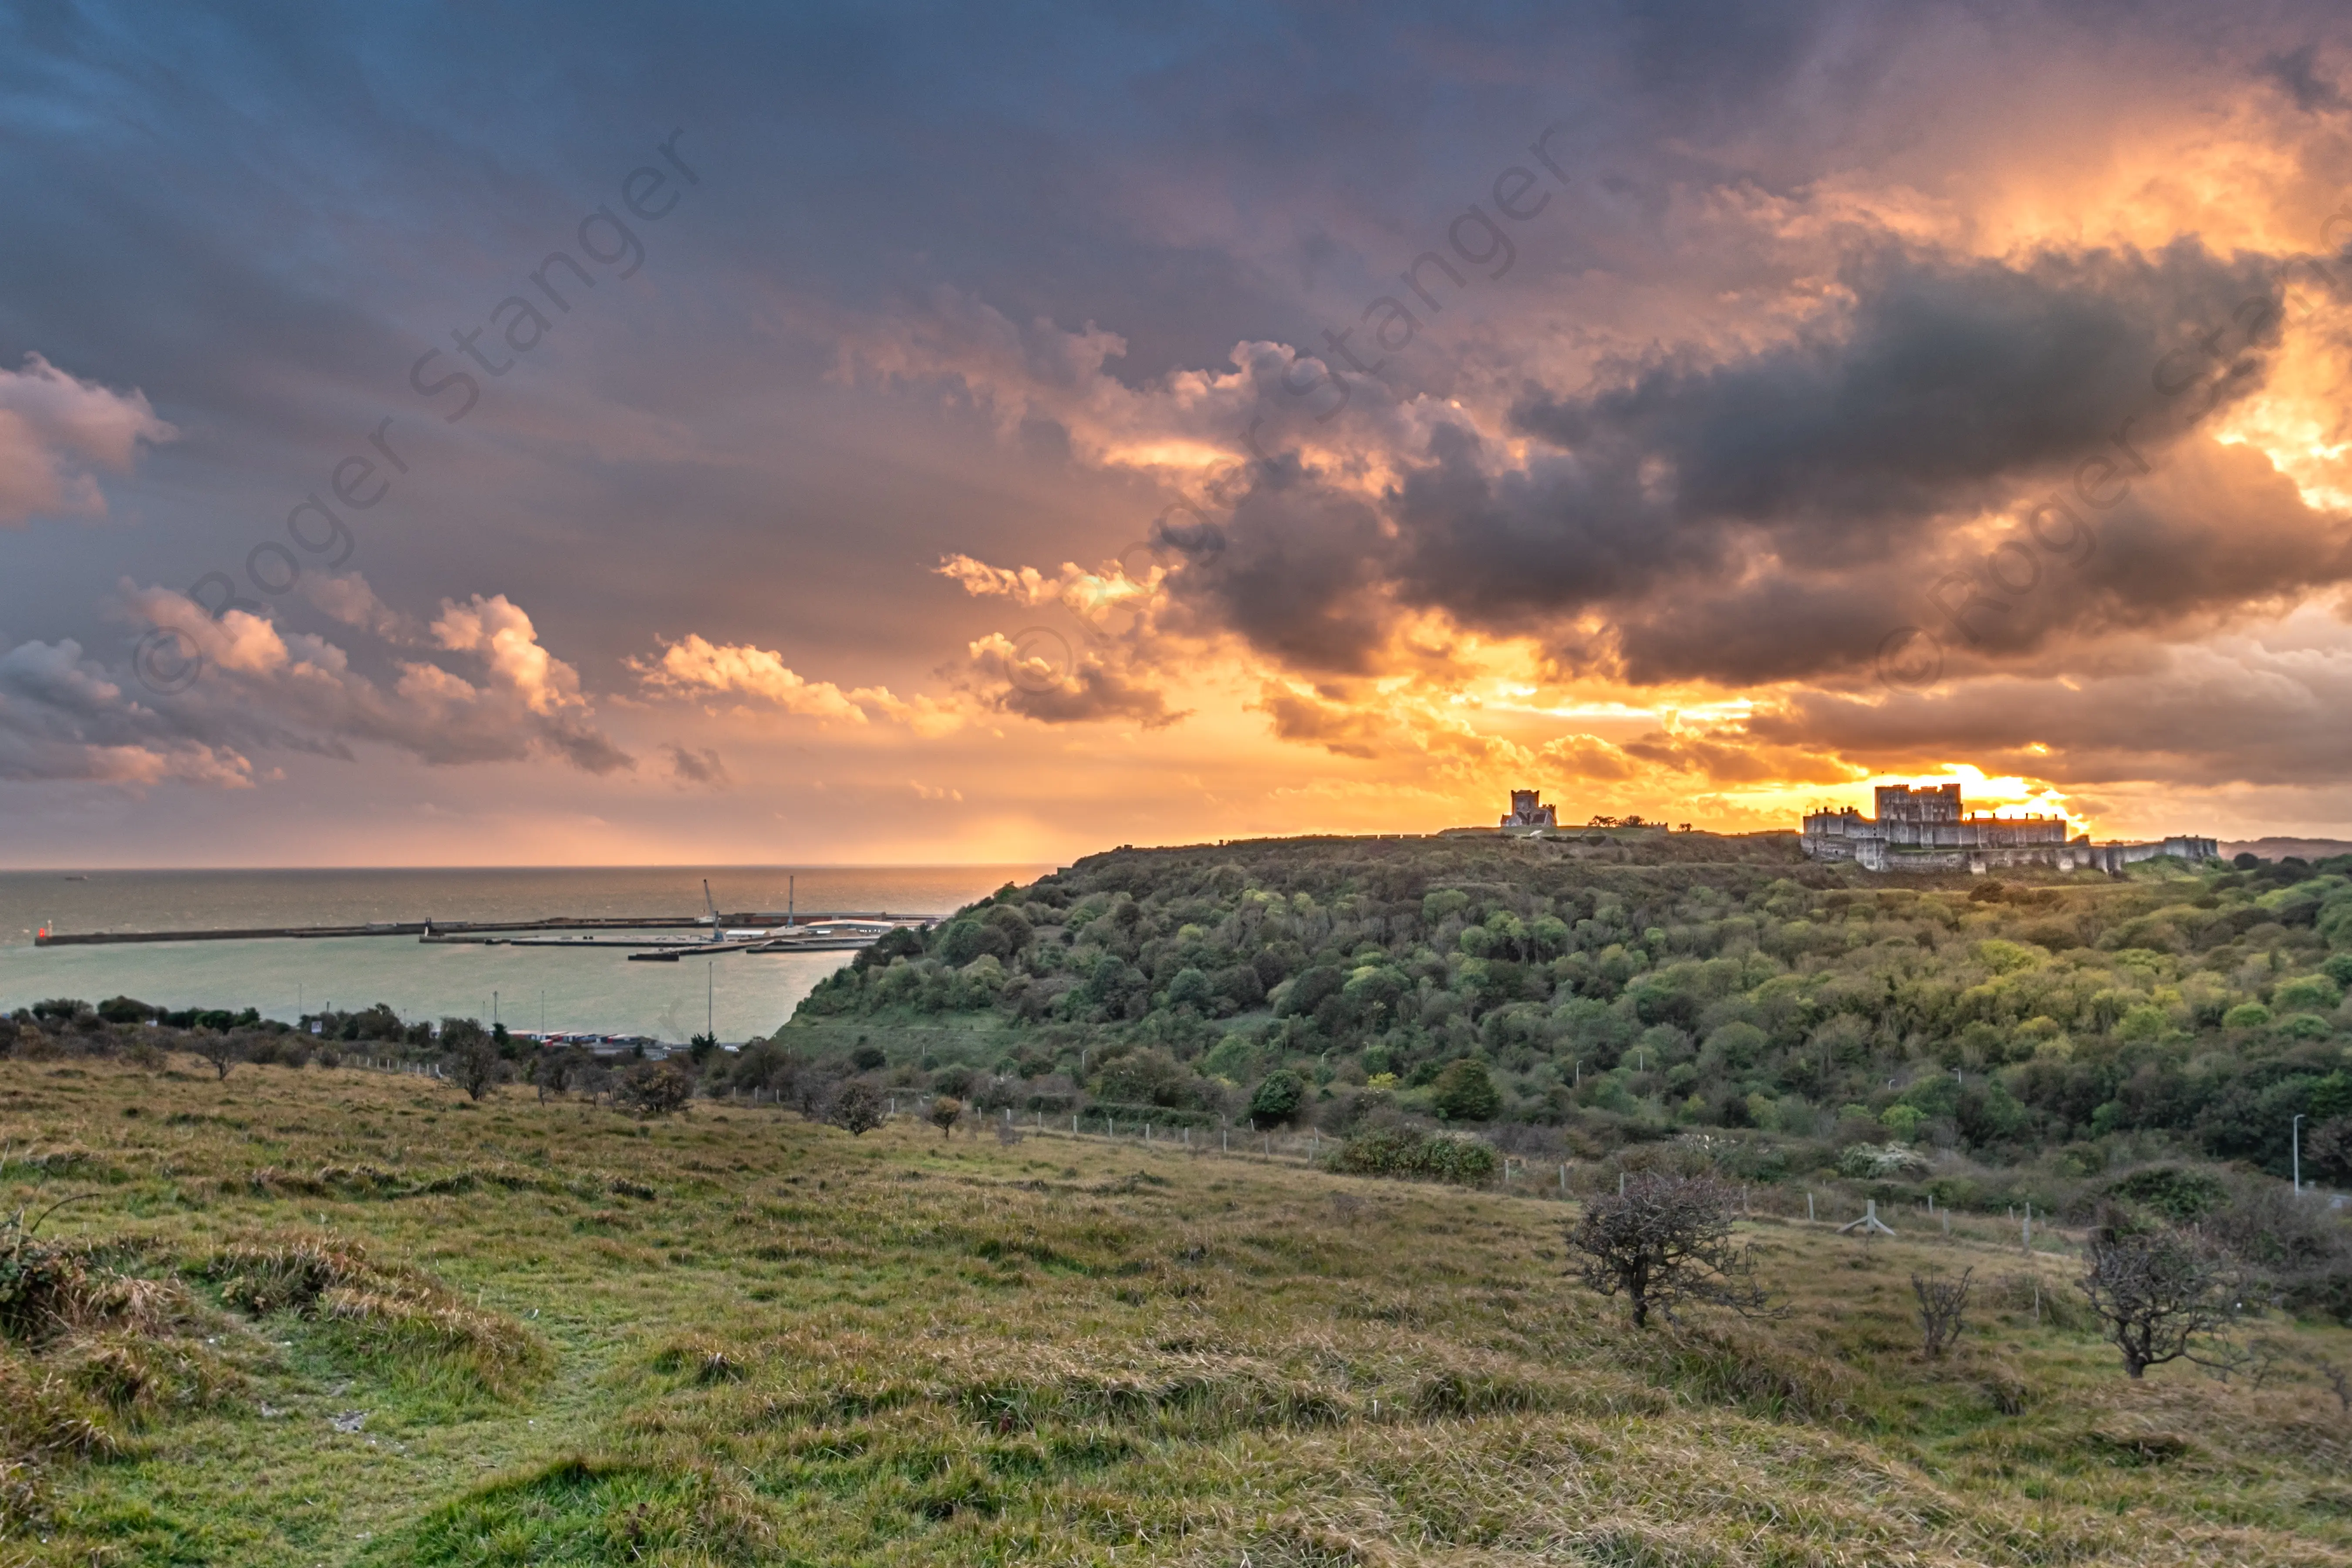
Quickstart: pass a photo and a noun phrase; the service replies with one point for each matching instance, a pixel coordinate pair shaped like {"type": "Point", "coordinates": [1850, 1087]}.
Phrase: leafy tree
{"type": "Point", "coordinates": [1150, 1077]}
{"type": "Point", "coordinates": [858, 1108]}
{"type": "Point", "coordinates": [124, 1010]}
{"type": "Point", "coordinates": [1464, 1092]}
{"type": "Point", "coordinates": [701, 1049]}
{"type": "Point", "coordinates": [1279, 1095]}
{"type": "Point", "coordinates": [1664, 1241]}
{"type": "Point", "coordinates": [1192, 988]}
{"type": "Point", "coordinates": [946, 1110]}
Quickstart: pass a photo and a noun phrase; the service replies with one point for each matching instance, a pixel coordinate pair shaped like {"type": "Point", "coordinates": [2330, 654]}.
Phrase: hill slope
{"type": "Point", "coordinates": [1623, 987]}
{"type": "Point", "coordinates": [760, 1340]}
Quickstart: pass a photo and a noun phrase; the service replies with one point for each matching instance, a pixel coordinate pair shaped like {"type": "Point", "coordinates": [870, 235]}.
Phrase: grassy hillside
{"type": "Point", "coordinates": [327, 1316]}
{"type": "Point", "coordinates": [1621, 988]}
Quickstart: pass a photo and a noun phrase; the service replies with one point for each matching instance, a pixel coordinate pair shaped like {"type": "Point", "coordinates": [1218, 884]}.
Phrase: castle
{"type": "Point", "coordinates": [1929, 830]}
{"type": "Point", "coordinates": [1529, 814]}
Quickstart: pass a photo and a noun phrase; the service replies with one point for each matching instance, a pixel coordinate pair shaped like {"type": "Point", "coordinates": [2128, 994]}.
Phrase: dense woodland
{"type": "Point", "coordinates": [1623, 987]}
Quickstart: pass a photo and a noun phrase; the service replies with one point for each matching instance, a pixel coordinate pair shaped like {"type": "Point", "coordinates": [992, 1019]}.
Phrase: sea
{"type": "Point", "coordinates": [588, 990]}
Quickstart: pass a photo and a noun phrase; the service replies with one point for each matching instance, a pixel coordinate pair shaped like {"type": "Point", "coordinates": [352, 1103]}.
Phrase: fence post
{"type": "Point", "coordinates": [1563, 1181]}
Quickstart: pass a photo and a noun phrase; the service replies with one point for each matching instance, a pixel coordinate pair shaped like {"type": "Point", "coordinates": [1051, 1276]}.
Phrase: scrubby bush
{"type": "Point", "coordinates": [1401, 1150]}
{"type": "Point", "coordinates": [1464, 1092]}
{"type": "Point", "coordinates": [1277, 1100]}
{"type": "Point", "coordinates": [858, 1108]}
{"type": "Point", "coordinates": [1873, 1162]}
{"type": "Point", "coordinates": [656, 1088]}
{"type": "Point", "coordinates": [946, 1109]}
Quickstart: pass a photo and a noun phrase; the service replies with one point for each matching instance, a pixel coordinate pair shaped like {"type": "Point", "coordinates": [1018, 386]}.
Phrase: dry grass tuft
{"type": "Point", "coordinates": [395, 1308]}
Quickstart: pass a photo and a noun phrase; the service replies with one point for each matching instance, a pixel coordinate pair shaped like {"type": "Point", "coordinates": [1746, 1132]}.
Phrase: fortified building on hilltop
{"type": "Point", "coordinates": [1929, 830]}
{"type": "Point", "coordinates": [1529, 814]}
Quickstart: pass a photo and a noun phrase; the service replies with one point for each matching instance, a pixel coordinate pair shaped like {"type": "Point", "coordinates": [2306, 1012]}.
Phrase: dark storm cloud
{"type": "Point", "coordinates": [1754, 515]}
{"type": "Point", "coordinates": [2251, 715]}
{"type": "Point", "coordinates": [2297, 71]}
{"type": "Point", "coordinates": [689, 766]}
{"type": "Point", "coordinates": [1304, 576]}
{"type": "Point", "coordinates": [1947, 382]}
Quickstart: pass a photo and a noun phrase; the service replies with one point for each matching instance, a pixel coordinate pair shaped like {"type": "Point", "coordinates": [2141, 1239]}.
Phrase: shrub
{"type": "Point", "coordinates": [1943, 1306]}
{"type": "Point", "coordinates": [946, 1109]}
{"type": "Point", "coordinates": [2182, 1197]}
{"type": "Point", "coordinates": [1463, 1092]}
{"type": "Point", "coordinates": [858, 1109]}
{"type": "Point", "coordinates": [2305, 994]}
{"type": "Point", "coordinates": [656, 1088]}
{"type": "Point", "coordinates": [1872, 1161]}
{"type": "Point", "coordinates": [1398, 1151]}
{"type": "Point", "coordinates": [1279, 1095]}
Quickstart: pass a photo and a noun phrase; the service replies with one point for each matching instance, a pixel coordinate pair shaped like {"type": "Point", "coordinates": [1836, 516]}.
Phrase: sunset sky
{"type": "Point", "coordinates": [490, 432]}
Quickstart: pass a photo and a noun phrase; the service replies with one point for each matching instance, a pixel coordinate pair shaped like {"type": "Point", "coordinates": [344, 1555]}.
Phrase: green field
{"type": "Point", "coordinates": [334, 1317]}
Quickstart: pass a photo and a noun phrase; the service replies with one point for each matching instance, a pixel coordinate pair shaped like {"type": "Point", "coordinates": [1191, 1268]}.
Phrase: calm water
{"type": "Point", "coordinates": [592, 989]}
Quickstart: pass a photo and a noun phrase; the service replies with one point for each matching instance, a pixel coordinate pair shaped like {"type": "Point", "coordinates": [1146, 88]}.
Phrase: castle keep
{"type": "Point", "coordinates": [1529, 813]}
{"type": "Point", "coordinates": [1930, 829]}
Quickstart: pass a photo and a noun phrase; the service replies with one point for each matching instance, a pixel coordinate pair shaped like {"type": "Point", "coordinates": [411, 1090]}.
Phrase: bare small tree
{"type": "Point", "coordinates": [2339, 1383]}
{"type": "Point", "coordinates": [1664, 1241]}
{"type": "Point", "coordinates": [222, 1050]}
{"type": "Point", "coordinates": [656, 1088]}
{"type": "Point", "coordinates": [553, 1070]}
{"type": "Point", "coordinates": [2158, 1294]}
{"type": "Point", "coordinates": [477, 1066]}
{"type": "Point", "coordinates": [1943, 1304]}
{"type": "Point", "coordinates": [946, 1110]}
{"type": "Point", "coordinates": [858, 1108]}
